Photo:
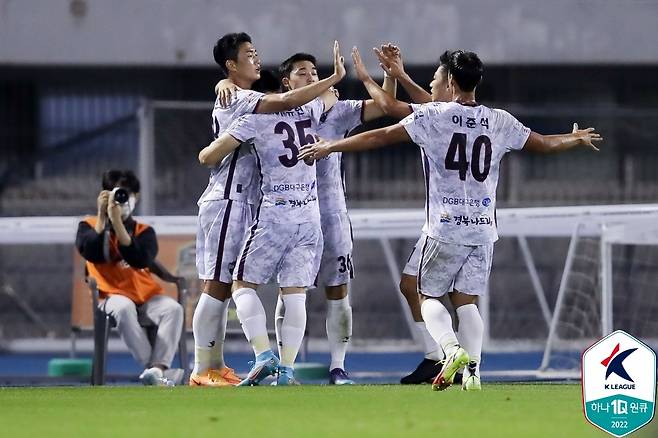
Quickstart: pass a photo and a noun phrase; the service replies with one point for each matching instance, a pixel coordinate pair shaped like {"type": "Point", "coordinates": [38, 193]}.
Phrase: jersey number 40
{"type": "Point", "coordinates": [456, 156]}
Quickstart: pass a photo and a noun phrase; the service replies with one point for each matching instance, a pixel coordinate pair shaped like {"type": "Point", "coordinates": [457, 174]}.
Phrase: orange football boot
{"type": "Point", "coordinates": [215, 377]}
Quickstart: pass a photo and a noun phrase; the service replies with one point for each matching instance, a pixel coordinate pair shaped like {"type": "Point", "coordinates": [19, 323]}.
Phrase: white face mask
{"type": "Point", "coordinates": [128, 207]}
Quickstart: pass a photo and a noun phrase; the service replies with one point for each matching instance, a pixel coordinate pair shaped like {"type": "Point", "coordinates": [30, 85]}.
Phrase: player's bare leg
{"type": "Point", "coordinates": [254, 324]}
{"type": "Point", "coordinates": [471, 332]}
{"type": "Point", "coordinates": [408, 288]}
{"type": "Point", "coordinates": [209, 328]}
{"type": "Point", "coordinates": [339, 332]}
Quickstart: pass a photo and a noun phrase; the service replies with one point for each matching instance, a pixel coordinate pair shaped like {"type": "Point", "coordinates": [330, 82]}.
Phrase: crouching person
{"type": "Point", "coordinates": [119, 251]}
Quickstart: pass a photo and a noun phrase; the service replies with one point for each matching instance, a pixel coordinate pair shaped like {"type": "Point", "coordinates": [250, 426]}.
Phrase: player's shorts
{"type": "Point", "coordinates": [447, 266]}
{"type": "Point", "coordinates": [336, 265]}
{"type": "Point", "coordinates": [285, 252]}
{"type": "Point", "coordinates": [411, 268]}
{"type": "Point", "coordinates": [221, 229]}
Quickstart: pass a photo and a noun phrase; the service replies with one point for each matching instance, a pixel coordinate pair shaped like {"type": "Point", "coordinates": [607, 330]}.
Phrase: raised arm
{"type": "Point", "coordinates": [218, 149]}
{"type": "Point", "coordinates": [329, 98]}
{"type": "Point", "coordinates": [561, 142]}
{"type": "Point", "coordinates": [374, 139]}
{"type": "Point", "coordinates": [371, 110]}
{"type": "Point", "coordinates": [390, 59]}
{"type": "Point", "coordinates": [276, 102]}
{"type": "Point", "coordinates": [388, 104]}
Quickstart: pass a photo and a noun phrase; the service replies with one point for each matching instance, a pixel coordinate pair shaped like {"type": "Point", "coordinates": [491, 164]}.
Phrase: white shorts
{"type": "Point", "coordinates": [221, 229]}
{"type": "Point", "coordinates": [336, 265]}
{"type": "Point", "coordinates": [411, 268]}
{"type": "Point", "coordinates": [445, 267]}
{"type": "Point", "coordinates": [289, 251]}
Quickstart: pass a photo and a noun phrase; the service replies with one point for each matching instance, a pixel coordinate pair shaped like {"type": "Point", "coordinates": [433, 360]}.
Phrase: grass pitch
{"type": "Point", "coordinates": [308, 411]}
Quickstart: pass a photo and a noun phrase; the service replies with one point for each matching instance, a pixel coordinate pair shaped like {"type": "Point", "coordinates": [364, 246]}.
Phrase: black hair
{"type": "Point", "coordinates": [466, 68]}
{"type": "Point", "coordinates": [268, 82]}
{"type": "Point", "coordinates": [444, 58]}
{"type": "Point", "coordinates": [286, 66]}
{"type": "Point", "coordinates": [120, 178]}
{"type": "Point", "coordinates": [227, 47]}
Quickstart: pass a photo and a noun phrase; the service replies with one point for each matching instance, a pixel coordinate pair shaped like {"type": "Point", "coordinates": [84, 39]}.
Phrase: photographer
{"type": "Point", "coordinates": [119, 251]}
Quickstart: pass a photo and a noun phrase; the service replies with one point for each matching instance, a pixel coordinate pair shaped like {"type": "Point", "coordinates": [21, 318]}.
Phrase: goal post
{"type": "Point", "coordinates": [624, 247]}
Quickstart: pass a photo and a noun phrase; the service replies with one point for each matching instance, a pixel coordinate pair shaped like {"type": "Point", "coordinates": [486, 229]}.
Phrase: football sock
{"type": "Point", "coordinates": [217, 358]}
{"type": "Point", "coordinates": [339, 330]}
{"type": "Point", "coordinates": [460, 339]}
{"type": "Point", "coordinates": [432, 350]}
{"type": "Point", "coordinates": [293, 327]}
{"type": "Point", "coordinates": [278, 321]}
{"type": "Point", "coordinates": [439, 324]}
{"type": "Point", "coordinates": [205, 326]}
{"type": "Point", "coordinates": [471, 331]}
{"type": "Point", "coordinates": [252, 317]}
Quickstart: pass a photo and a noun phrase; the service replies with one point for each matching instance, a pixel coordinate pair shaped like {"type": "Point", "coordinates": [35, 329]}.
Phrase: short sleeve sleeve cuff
{"type": "Point", "coordinates": [247, 101]}
{"type": "Point", "coordinates": [518, 134]}
{"type": "Point", "coordinates": [413, 125]}
{"type": "Point", "coordinates": [241, 130]}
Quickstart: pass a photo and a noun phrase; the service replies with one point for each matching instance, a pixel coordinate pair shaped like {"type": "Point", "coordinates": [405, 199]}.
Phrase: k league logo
{"type": "Point", "coordinates": [615, 364]}
{"type": "Point", "coordinates": [619, 384]}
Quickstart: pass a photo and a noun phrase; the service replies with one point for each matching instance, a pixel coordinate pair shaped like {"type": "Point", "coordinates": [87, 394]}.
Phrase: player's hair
{"type": "Point", "coordinates": [227, 47]}
{"type": "Point", "coordinates": [120, 178]}
{"type": "Point", "coordinates": [286, 66]}
{"type": "Point", "coordinates": [268, 82]}
{"type": "Point", "coordinates": [466, 68]}
{"type": "Point", "coordinates": [445, 58]}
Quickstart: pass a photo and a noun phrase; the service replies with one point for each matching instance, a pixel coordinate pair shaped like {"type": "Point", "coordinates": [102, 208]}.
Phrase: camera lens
{"type": "Point", "coordinates": [120, 195]}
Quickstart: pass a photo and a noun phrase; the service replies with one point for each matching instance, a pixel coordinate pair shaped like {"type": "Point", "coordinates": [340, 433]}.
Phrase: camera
{"type": "Point", "coordinates": [121, 195]}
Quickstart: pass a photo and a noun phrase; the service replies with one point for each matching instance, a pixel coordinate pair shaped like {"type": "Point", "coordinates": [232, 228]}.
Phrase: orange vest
{"type": "Point", "coordinates": [118, 277]}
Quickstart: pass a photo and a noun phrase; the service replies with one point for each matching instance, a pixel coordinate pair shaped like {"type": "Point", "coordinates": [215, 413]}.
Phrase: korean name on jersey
{"type": "Point", "coordinates": [234, 177]}
{"type": "Point", "coordinates": [288, 185]}
{"type": "Point", "coordinates": [461, 148]}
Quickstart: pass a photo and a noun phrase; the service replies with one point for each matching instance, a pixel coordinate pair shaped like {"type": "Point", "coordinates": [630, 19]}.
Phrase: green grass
{"type": "Point", "coordinates": [308, 411]}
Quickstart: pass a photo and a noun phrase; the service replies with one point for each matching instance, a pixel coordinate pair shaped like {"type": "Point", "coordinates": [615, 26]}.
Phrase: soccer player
{"type": "Point", "coordinates": [285, 239]}
{"type": "Point", "coordinates": [336, 267]}
{"type": "Point", "coordinates": [390, 59]}
{"type": "Point", "coordinates": [225, 205]}
{"type": "Point", "coordinates": [462, 144]}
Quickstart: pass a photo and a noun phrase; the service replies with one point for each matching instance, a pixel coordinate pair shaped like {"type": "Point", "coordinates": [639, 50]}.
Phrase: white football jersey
{"type": "Point", "coordinates": [235, 177]}
{"type": "Point", "coordinates": [461, 148]}
{"type": "Point", "coordinates": [288, 185]}
{"type": "Point", "coordinates": [335, 124]}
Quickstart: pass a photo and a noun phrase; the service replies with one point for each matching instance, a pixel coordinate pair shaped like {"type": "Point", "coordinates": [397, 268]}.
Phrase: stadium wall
{"type": "Point", "coordinates": [171, 32]}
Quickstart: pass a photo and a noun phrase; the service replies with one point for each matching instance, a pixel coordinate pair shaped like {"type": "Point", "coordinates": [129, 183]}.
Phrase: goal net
{"type": "Point", "coordinates": [609, 283]}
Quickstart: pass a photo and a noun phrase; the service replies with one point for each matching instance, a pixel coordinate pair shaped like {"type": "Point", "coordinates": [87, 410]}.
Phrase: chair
{"type": "Point", "coordinates": [103, 323]}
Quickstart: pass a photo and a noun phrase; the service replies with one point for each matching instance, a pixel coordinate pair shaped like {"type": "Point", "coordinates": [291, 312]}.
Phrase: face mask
{"type": "Point", "coordinates": [128, 207]}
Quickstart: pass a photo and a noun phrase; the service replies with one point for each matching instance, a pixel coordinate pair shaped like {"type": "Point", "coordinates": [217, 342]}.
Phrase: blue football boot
{"type": "Point", "coordinates": [286, 377]}
{"type": "Point", "coordinates": [266, 364]}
